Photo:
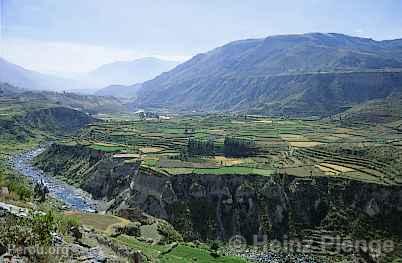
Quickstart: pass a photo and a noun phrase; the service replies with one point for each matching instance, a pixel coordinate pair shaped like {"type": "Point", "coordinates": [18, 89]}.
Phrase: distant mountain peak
{"type": "Point", "coordinates": [132, 71]}
{"type": "Point", "coordinates": [118, 73]}
{"type": "Point", "coordinates": [28, 79]}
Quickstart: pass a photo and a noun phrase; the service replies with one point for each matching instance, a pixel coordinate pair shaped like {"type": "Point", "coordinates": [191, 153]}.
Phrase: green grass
{"type": "Point", "coordinates": [186, 254]}
{"type": "Point", "coordinates": [106, 148]}
{"type": "Point", "coordinates": [179, 170]}
{"type": "Point", "coordinates": [233, 170]}
{"type": "Point", "coordinates": [150, 162]}
{"type": "Point", "coordinates": [152, 251]}
{"type": "Point", "coordinates": [181, 254]}
{"type": "Point", "coordinates": [97, 221]}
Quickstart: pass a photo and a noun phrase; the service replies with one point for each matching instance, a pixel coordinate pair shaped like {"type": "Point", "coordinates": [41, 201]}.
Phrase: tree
{"type": "Point", "coordinates": [239, 147]}
{"type": "Point", "coordinates": [24, 192]}
{"type": "Point", "coordinates": [200, 147]}
{"type": "Point", "coordinates": [41, 190]}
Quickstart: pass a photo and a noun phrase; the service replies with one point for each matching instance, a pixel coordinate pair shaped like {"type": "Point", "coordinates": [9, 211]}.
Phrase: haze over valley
{"type": "Point", "coordinates": [117, 73]}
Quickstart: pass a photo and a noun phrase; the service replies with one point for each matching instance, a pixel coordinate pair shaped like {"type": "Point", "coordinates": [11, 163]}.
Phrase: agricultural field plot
{"type": "Point", "coordinates": [100, 222]}
{"type": "Point", "coordinates": [291, 146]}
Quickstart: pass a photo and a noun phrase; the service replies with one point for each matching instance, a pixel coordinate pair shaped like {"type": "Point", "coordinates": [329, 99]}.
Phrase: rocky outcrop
{"type": "Point", "coordinates": [209, 206]}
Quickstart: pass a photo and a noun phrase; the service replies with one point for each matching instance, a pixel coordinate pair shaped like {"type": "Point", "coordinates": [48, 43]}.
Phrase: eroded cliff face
{"type": "Point", "coordinates": [94, 171]}
{"type": "Point", "coordinates": [220, 206]}
{"type": "Point", "coordinates": [211, 206]}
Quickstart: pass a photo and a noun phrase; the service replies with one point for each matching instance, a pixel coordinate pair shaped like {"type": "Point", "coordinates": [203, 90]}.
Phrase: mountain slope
{"type": "Point", "coordinates": [32, 80]}
{"type": "Point", "coordinates": [22, 100]}
{"type": "Point", "coordinates": [119, 91]}
{"type": "Point", "coordinates": [130, 72]}
{"type": "Point", "coordinates": [387, 110]}
{"type": "Point", "coordinates": [272, 73]}
{"type": "Point", "coordinates": [59, 120]}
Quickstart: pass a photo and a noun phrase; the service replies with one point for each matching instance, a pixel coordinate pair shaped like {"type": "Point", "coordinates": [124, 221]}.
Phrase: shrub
{"type": "Point", "coordinates": [169, 234]}
{"type": "Point", "coordinates": [64, 224]}
{"type": "Point", "coordinates": [24, 233]}
{"type": "Point", "coordinates": [35, 231]}
{"type": "Point", "coordinates": [132, 229]}
{"type": "Point", "coordinates": [214, 246]}
{"type": "Point", "coordinates": [44, 226]}
{"type": "Point", "coordinates": [21, 189]}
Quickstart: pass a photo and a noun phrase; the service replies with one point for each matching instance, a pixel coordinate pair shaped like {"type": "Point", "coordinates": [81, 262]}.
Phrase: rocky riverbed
{"type": "Point", "coordinates": [73, 197]}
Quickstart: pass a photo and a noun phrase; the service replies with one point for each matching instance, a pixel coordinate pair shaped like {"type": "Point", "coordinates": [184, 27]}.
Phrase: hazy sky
{"type": "Point", "coordinates": [79, 35]}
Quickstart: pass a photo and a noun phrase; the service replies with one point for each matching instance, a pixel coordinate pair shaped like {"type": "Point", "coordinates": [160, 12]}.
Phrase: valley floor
{"type": "Point", "coordinates": [176, 193]}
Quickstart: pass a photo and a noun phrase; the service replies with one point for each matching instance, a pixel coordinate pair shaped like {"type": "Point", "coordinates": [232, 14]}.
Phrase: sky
{"type": "Point", "coordinates": [74, 36]}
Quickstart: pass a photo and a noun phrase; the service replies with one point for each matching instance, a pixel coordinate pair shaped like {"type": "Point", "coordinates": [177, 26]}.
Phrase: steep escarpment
{"type": "Point", "coordinates": [210, 206]}
{"type": "Point", "coordinates": [220, 206]}
{"type": "Point", "coordinates": [93, 170]}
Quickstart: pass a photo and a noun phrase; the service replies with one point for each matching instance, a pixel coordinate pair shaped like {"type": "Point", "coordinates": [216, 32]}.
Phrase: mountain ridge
{"type": "Point", "coordinates": [146, 69]}
{"type": "Point", "coordinates": [130, 72]}
{"type": "Point", "coordinates": [28, 79]}
{"type": "Point", "coordinates": [243, 65]}
{"type": "Point", "coordinates": [119, 91]}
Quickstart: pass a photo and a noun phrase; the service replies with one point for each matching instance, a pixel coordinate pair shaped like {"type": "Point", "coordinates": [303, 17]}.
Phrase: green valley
{"type": "Point", "coordinates": [121, 142]}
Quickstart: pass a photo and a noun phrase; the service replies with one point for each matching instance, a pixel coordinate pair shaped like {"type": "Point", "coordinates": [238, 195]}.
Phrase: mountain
{"type": "Point", "coordinates": [32, 80]}
{"type": "Point", "coordinates": [308, 74]}
{"type": "Point", "coordinates": [119, 91]}
{"type": "Point", "coordinates": [386, 110]}
{"type": "Point", "coordinates": [130, 72]}
{"type": "Point", "coordinates": [112, 76]}
{"type": "Point", "coordinates": [9, 90]}
{"type": "Point", "coordinates": [28, 99]}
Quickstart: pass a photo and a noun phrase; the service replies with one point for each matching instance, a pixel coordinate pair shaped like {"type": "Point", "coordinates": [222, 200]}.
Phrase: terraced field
{"type": "Point", "coordinates": [290, 146]}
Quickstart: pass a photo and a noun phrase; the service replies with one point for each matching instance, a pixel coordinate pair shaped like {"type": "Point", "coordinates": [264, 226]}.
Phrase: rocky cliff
{"type": "Point", "coordinates": [210, 206]}
{"type": "Point", "coordinates": [219, 206]}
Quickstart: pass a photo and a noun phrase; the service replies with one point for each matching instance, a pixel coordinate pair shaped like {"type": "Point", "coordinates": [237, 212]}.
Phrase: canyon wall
{"type": "Point", "coordinates": [209, 206]}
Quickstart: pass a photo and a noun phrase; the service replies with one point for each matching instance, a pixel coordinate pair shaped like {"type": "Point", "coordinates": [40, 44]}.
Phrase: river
{"type": "Point", "coordinates": [81, 201]}
{"type": "Point", "coordinates": [73, 197]}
